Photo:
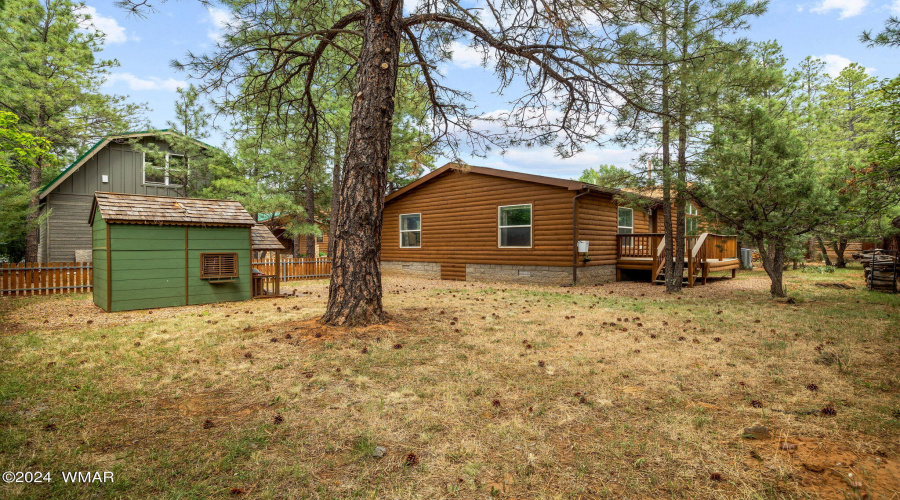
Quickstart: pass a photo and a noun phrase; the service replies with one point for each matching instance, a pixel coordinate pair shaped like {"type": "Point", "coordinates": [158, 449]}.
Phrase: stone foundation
{"type": "Point", "coordinates": [543, 275]}
{"type": "Point", "coordinates": [431, 270]}
{"type": "Point", "coordinates": [537, 275]}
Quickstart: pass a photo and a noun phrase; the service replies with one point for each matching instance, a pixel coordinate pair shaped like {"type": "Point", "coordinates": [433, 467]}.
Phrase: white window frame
{"type": "Point", "coordinates": [166, 182]}
{"type": "Point", "coordinates": [400, 220]}
{"type": "Point", "coordinates": [618, 227]}
{"type": "Point", "coordinates": [691, 215]}
{"type": "Point", "coordinates": [530, 227]}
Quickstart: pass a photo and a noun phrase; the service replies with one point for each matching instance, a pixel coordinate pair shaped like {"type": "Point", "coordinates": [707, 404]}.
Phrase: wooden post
{"type": "Point", "coordinates": [655, 255]}
{"type": "Point", "coordinates": [277, 272]}
{"type": "Point", "coordinates": [689, 251]}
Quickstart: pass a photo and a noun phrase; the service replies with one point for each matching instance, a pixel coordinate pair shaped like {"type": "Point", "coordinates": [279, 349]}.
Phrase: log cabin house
{"type": "Point", "coordinates": [485, 224]}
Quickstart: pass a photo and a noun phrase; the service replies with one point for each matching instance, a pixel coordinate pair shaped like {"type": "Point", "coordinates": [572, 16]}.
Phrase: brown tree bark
{"type": "Point", "coordinates": [32, 237]}
{"type": "Point", "coordinates": [670, 240]}
{"type": "Point", "coordinates": [309, 206]}
{"type": "Point", "coordinates": [354, 293]}
{"type": "Point", "coordinates": [824, 251]}
{"type": "Point", "coordinates": [772, 257]}
{"type": "Point", "coordinates": [840, 246]}
{"type": "Point", "coordinates": [680, 202]}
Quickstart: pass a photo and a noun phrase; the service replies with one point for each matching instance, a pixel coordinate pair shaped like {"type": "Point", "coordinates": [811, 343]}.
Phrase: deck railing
{"type": "Point", "coordinates": [637, 244]}
{"type": "Point", "coordinates": [698, 249]}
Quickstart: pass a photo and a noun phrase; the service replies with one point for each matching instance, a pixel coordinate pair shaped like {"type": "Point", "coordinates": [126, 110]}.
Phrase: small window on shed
{"type": "Point", "coordinates": [214, 266]}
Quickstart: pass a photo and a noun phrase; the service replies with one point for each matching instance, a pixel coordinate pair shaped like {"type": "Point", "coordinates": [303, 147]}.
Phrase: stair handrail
{"type": "Point", "coordinates": [700, 241]}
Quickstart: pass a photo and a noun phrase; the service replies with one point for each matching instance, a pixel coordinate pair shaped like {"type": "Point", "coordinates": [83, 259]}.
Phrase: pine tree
{"type": "Point", "coordinates": [50, 78]}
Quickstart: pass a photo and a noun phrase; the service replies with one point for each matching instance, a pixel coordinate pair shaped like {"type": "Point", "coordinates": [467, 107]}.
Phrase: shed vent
{"type": "Point", "coordinates": [216, 266]}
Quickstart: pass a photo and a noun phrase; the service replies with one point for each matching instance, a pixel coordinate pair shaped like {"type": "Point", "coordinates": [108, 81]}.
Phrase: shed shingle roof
{"type": "Point", "coordinates": [167, 210]}
{"type": "Point", "coordinates": [263, 239]}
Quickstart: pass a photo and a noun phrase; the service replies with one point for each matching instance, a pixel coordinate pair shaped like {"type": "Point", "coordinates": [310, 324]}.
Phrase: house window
{"type": "Point", "coordinates": [168, 175]}
{"type": "Point", "coordinates": [411, 231]}
{"type": "Point", "coordinates": [514, 226]}
{"type": "Point", "coordinates": [690, 219]}
{"type": "Point", "coordinates": [218, 265]}
{"type": "Point", "coordinates": [626, 221]}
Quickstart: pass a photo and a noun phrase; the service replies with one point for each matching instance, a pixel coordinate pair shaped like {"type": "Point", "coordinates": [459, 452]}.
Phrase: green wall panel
{"type": "Point", "coordinates": [213, 240]}
{"type": "Point", "coordinates": [148, 265]}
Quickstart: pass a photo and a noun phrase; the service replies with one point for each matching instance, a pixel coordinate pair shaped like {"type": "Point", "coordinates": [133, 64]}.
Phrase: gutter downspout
{"type": "Point", "coordinates": [575, 236]}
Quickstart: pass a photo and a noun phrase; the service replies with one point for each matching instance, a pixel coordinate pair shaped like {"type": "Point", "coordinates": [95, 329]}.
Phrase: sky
{"type": "Point", "coordinates": [145, 48]}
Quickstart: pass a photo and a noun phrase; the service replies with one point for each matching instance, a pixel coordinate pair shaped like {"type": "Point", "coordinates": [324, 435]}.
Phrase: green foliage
{"type": "Point", "coordinates": [757, 177]}
{"type": "Point", "coordinates": [609, 176]}
{"type": "Point", "coordinates": [17, 148]}
{"type": "Point", "coordinates": [190, 161]}
{"type": "Point", "coordinates": [51, 79]}
{"type": "Point", "coordinates": [14, 223]}
{"type": "Point", "coordinates": [888, 37]}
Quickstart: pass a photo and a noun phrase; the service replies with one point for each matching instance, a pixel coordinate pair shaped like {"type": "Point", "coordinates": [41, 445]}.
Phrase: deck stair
{"type": "Point", "coordinates": [703, 253]}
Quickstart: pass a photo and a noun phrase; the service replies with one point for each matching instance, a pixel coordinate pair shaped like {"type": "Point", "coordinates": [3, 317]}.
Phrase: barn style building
{"type": "Point", "coordinates": [484, 224]}
{"type": "Point", "coordinates": [111, 165]}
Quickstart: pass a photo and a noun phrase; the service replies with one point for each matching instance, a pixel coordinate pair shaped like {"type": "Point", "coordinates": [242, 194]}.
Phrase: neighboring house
{"type": "Point", "coordinates": [294, 245]}
{"type": "Point", "coordinates": [111, 165]}
{"type": "Point", "coordinates": [484, 224]}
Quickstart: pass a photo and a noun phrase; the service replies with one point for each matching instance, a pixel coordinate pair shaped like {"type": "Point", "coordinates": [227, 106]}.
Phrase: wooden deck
{"type": "Point", "coordinates": [704, 253]}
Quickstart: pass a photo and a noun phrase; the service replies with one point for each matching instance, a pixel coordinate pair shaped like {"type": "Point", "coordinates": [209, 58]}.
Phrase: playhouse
{"type": "Point", "coordinates": [160, 251]}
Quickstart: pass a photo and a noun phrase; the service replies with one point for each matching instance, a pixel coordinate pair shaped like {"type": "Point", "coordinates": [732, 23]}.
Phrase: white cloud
{"type": "Point", "coordinates": [106, 25]}
{"type": "Point", "coordinates": [834, 64]}
{"type": "Point", "coordinates": [135, 83]}
{"type": "Point", "coordinates": [545, 161]}
{"type": "Point", "coordinates": [848, 8]}
{"type": "Point", "coordinates": [467, 56]}
{"type": "Point", "coordinates": [895, 8]}
{"type": "Point", "coordinates": [222, 20]}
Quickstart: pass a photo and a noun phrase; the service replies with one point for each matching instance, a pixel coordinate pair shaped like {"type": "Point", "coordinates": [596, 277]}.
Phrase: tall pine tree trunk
{"type": "Point", "coordinates": [354, 293]}
{"type": "Point", "coordinates": [681, 172]}
{"type": "Point", "coordinates": [772, 257]}
{"type": "Point", "coordinates": [32, 237]}
{"type": "Point", "coordinates": [669, 238]}
{"type": "Point", "coordinates": [680, 201]}
{"type": "Point", "coordinates": [309, 206]}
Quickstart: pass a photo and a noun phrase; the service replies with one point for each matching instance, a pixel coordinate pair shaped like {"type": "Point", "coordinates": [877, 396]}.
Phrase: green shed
{"type": "Point", "coordinates": [160, 251]}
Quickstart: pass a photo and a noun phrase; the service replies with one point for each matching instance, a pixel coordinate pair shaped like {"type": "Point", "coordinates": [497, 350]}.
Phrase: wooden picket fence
{"type": "Point", "coordinates": [45, 278]}
{"type": "Point", "coordinates": [76, 277]}
{"type": "Point", "coordinates": [295, 268]}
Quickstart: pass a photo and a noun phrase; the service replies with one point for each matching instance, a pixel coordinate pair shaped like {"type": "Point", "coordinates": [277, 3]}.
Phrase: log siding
{"type": "Point", "coordinates": [460, 226]}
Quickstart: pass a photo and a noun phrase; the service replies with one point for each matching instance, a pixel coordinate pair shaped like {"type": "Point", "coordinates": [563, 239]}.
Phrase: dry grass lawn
{"type": "Point", "coordinates": [473, 390]}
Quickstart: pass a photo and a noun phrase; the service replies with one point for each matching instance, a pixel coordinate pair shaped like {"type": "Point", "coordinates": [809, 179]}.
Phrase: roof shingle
{"type": "Point", "coordinates": [263, 239]}
{"type": "Point", "coordinates": [144, 209]}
